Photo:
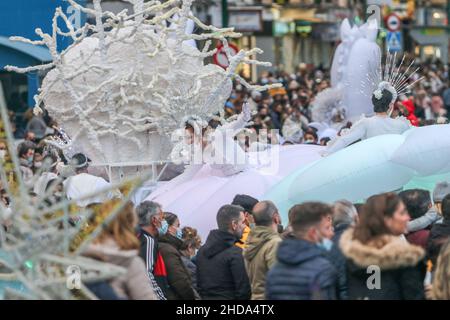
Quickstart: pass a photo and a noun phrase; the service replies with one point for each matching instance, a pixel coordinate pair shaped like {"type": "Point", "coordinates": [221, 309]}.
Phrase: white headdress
{"type": "Point", "coordinates": [392, 78]}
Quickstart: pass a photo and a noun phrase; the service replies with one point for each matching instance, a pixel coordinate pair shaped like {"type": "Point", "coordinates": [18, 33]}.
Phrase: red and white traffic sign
{"type": "Point", "coordinates": [220, 57]}
{"type": "Point", "coordinates": [393, 22]}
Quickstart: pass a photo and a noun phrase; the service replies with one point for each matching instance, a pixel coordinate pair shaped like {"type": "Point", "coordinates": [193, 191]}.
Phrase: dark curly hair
{"type": "Point", "coordinates": [382, 104]}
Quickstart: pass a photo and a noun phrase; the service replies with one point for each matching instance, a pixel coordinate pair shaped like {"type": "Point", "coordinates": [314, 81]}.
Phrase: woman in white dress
{"type": "Point", "coordinates": [383, 101]}
{"type": "Point", "coordinates": [224, 171]}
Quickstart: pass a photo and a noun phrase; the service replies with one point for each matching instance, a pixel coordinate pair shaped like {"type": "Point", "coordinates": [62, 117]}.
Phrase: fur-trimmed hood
{"type": "Point", "coordinates": [387, 251]}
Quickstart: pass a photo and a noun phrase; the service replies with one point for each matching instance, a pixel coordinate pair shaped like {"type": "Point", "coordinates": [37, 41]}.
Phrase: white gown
{"type": "Point", "coordinates": [370, 127]}
{"type": "Point", "coordinates": [197, 194]}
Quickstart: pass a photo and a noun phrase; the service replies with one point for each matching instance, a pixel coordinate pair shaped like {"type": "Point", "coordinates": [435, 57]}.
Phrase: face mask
{"type": "Point", "coordinates": [326, 244]}
{"type": "Point", "coordinates": [38, 164]}
{"type": "Point", "coordinates": [252, 225]}
{"type": "Point", "coordinates": [309, 141]}
{"type": "Point", "coordinates": [179, 234]}
{"type": "Point", "coordinates": [163, 229]}
{"type": "Point", "coordinates": [2, 154]}
{"type": "Point", "coordinates": [30, 160]}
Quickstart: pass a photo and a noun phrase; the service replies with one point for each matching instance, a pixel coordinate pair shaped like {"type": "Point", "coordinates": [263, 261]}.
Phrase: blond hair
{"type": "Point", "coordinates": [121, 229]}
{"type": "Point", "coordinates": [441, 279]}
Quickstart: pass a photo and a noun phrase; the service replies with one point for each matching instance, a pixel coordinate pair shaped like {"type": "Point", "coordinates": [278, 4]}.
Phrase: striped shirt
{"type": "Point", "coordinates": [148, 253]}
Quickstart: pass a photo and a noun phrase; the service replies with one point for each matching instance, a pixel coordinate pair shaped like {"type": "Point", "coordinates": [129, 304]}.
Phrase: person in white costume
{"type": "Point", "coordinates": [224, 171]}
{"type": "Point", "coordinates": [83, 184]}
{"type": "Point", "coordinates": [383, 100]}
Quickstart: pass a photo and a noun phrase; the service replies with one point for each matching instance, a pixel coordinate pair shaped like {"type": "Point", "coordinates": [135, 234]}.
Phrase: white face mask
{"type": "Point", "coordinates": [2, 154]}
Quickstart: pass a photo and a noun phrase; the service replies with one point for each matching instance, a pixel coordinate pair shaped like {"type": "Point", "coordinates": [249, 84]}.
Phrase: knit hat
{"type": "Point", "coordinates": [245, 201]}
{"type": "Point", "coordinates": [440, 191]}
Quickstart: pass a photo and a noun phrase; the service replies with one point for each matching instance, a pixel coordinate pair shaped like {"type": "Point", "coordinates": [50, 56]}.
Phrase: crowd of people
{"type": "Point", "coordinates": [385, 248]}
{"type": "Point", "coordinates": [289, 108]}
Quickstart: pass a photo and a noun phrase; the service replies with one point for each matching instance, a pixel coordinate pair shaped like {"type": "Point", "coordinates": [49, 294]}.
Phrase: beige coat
{"type": "Point", "coordinates": [260, 256]}
{"type": "Point", "coordinates": [134, 284]}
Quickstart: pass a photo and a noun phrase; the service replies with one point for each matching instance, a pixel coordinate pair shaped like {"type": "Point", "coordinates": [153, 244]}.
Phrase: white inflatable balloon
{"type": "Point", "coordinates": [340, 58]}
{"type": "Point", "coordinates": [354, 173]}
{"type": "Point", "coordinates": [426, 150]}
{"type": "Point", "coordinates": [364, 59]}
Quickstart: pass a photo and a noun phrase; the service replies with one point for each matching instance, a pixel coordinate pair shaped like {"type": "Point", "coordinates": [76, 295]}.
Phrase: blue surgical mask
{"type": "Point", "coordinates": [252, 225]}
{"type": "Point", "coordinates": [179, 234]}
{"type": "Point", "coordinates": [326, 244]}
{"type": "Point", "coordinates": [163, 229]}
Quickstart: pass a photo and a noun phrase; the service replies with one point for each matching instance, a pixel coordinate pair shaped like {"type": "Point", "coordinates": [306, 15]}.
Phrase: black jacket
{"type": "Point", "coordinates": [439, 234]}
{"type": "Point", "coordinates": [338, 260]}
{"type": "Point", "coordinates": [220, 269]}
{"type": "Point", "coordinates": [386, 268]}
{"type": "Point", "coordinates": [149, 251]}
{"type": "Point", "coordinates": [301, 273]}
{"type": "Point", "coordinates": [180, 282]}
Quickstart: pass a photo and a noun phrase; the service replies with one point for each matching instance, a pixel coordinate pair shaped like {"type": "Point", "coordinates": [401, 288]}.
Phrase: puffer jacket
{"type": "Point", "coordinates": [301, 273]}
{"type": "Point", "coordinates": [260, 256]}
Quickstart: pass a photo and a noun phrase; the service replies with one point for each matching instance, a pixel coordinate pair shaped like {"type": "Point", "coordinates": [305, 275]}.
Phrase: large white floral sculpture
{"type": "Point", "coordinates": [120, 92]}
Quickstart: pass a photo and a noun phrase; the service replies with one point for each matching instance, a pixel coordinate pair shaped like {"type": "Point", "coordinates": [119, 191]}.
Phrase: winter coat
{"type": "Point", "coordinates": [134, 284]}
{"type": "Point", "coordinates": [338, 260]}
{"type": "Point", "coordinates": [419, 238]}
{"type": "Point", "coordinates": [439, 234]}
{"type": "Point", "coordinates": [260, 256]}
{"type": "Point", "coordinates": [392, 267]}
{"type": "Point", "coordinates": [221, 270]}
{"type": "Point", "coordinates": [301, 273]}
{"type": "Point", "coordinates": [180, 282]}
{"type": "Point", "coordinates": [192, 268]}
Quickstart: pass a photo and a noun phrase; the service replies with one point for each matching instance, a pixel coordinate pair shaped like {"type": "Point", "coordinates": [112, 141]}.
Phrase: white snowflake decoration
{"type": "Point", "coordinates": [121, 92]}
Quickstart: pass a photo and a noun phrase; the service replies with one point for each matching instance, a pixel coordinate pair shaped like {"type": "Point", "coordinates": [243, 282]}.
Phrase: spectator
{"type": "Point", "coordinates": [262, 245]}
{"type": "Point", "coordinates": [30, 136]}
{"type": "Point", "coordinates": [440, 232]}
{"type": "Point", "coordinates": [246, 202]}
{"type": "Point", "coordinates": [417, 202]}
{"type": "Point", "coordinates": [151, 225]}
{"type": "Point", "coordinates": [310, 137]}
{"type": "Point", "coordinates": [344, 217]}
{"type": "Point", "coordinates": [37, 126]}
{"type": "Point", "coordinates": [170, 244]}
{"type": "Point", "coordinates": [191, 243]}
{"type": "Point", "coordinates": [302, 271]}
{"type": "Point", "coordinates": [83, 184]}
{"type": "Point", "coordinates": [434, 214]}
{"type": "Point", "coordinates": [26, 155]}
{"type": "Point", "coordinates": [375, 241]}
{"type": "Point", "coordinates": [441, 280]}
{"type": "Point", "coordinates": [48, 173]}
{"type": "Point", "coordinates": [220, 265]}
{"type": "Point", "coordinates": [117, 244]}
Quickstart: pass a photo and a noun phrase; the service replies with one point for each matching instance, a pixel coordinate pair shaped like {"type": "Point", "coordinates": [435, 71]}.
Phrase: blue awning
{"type": "Point", "coordinates": [21, 54]}
{"type": "Point", "coordinates": [39, 53]}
